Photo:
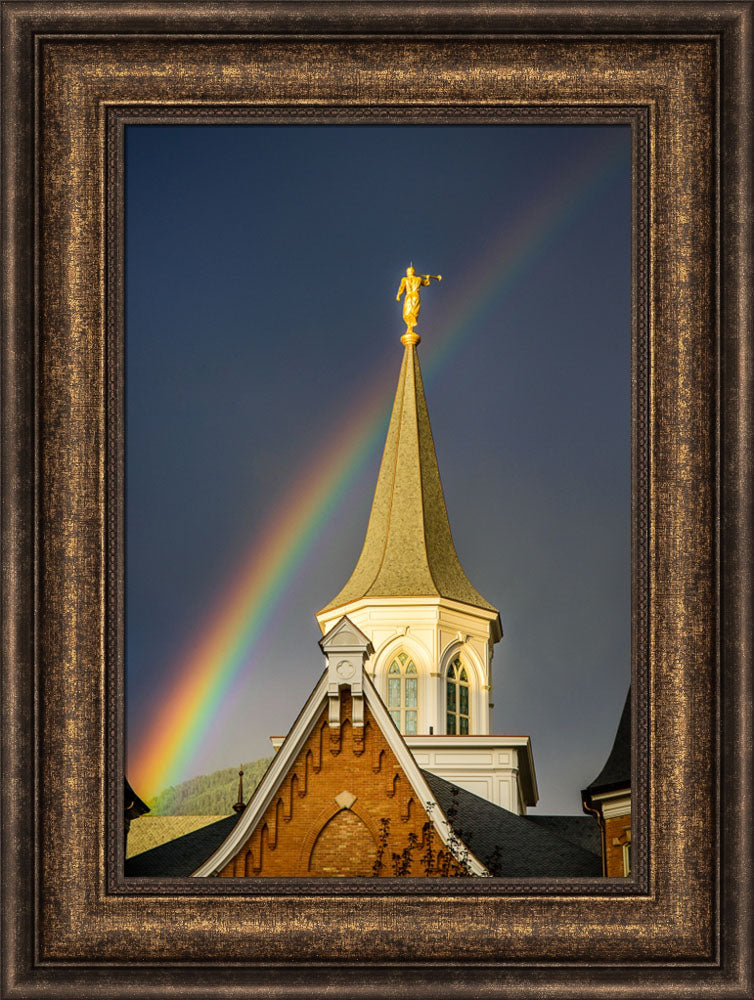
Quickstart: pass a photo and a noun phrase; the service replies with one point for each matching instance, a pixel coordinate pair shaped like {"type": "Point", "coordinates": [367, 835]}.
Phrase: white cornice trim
{"type": "Point", "coordinates": [334, 614]}
{"type": "Point", "coordinates": [519, 743]}
{"type": "Point", "coordinates": [612, 804]}
{"type": "Point", "coordinates": [441, 741]}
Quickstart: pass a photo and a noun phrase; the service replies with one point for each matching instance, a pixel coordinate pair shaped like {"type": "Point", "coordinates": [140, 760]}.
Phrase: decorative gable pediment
{"type": "Point", "coordinates": [346, 650]}
{"type": "Point", "coordinates": [344, 637]}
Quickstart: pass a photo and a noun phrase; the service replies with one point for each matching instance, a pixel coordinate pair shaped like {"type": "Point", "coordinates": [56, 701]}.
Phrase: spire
{"type": "Point", "coordinates": [239, 806]}
{"type": "Point", "coordinates": [408, 550]}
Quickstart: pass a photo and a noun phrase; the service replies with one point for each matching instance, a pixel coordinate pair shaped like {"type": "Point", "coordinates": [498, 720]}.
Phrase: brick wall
{"type": "Point", "coordinates": [344, 846]}
{"type": "Point", "coordinates": [376, 827]}
{"type": "Point", "coordinates": [617, 833]}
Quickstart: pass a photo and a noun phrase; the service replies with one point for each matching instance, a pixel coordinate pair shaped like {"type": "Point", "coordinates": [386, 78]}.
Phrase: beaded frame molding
{"type": "Point", "coordinates": [118, 118]}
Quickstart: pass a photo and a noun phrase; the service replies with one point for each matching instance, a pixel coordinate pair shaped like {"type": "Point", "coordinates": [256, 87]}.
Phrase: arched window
{"type": "Point", "coordinates": [457, 700]}
{"type": "Point", "coordinates": [403, 694]}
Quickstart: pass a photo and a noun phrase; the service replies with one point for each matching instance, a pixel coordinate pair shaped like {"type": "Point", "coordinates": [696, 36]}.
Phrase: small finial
{"type": "Point", "coordinates": [410, 284]}
{"type": "Point", "coordinates": [239, 806]}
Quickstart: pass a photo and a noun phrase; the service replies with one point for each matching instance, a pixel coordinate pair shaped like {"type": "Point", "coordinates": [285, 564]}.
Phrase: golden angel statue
{"type": "Point", "coordinates": [411, 284]}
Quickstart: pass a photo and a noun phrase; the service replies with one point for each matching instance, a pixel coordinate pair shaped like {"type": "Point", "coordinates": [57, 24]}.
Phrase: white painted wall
{"type": "Point", "coordinates": [497, 768]}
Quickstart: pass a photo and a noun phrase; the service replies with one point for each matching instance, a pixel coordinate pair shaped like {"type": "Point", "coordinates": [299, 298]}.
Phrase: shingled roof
{"type": "Point", "coordinates": [509, 845]}
{"type": "Point", "coordinates": [513, 846]}
{"type": "Point", "coordinates": [617, 770]}
{"type": "Point", "coordinates": [182, 855]}
{"type": "Point", "coordinates": [580, 830]}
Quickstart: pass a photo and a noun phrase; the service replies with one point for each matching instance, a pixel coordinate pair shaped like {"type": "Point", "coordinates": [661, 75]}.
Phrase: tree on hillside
{"type": "Point", "coordinates": [209, 794]}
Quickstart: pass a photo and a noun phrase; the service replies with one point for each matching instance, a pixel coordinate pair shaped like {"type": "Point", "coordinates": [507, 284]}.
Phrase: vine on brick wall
{"type": "Point", "coordinates": [451, 860]}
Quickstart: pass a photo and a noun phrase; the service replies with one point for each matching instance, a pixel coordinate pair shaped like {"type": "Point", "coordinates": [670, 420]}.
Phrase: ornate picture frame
{"type": "Point", "coordinates": [72, 76]}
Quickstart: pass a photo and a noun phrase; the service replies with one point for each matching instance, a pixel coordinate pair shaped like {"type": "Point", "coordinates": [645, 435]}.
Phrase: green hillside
{"type": "Point", "coordinates": [209, 794]}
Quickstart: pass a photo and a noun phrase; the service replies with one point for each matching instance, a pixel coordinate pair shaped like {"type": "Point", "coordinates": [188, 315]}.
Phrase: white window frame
{"type": "Point", "coordinates": [458, 667]}
{"type": "Point", "coordinates": [407, 670]}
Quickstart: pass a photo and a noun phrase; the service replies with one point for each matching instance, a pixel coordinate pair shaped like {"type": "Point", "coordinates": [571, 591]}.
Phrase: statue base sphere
{"type": "Point", "coordinates": [409, 337]}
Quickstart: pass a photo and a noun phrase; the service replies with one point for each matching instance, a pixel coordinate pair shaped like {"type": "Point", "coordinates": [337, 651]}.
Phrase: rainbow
{"type": "Point", "coordinates": [201, 678]}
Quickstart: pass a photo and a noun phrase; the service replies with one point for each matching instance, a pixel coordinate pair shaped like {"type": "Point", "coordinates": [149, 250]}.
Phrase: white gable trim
{"type": "Point", "coordinates": [270, 783]}
{"type": "Point", "coordinates": [302, 727]}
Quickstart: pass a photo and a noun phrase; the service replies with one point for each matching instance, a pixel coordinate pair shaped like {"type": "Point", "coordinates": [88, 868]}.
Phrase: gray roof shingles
{"type": "Point", "coordinates": [183, 855]}
{"type": "Point", "coordinates": [512, 846]}
{"type": "Point", "coordinates": [580, 830]}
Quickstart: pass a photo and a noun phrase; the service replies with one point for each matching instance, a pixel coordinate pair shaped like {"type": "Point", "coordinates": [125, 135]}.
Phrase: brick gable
{"type": "Point", "coordinates": [344, 807]}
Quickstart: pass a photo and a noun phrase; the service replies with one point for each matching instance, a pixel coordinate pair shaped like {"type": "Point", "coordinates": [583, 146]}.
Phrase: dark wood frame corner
{"type": "Point", "coordinates": [73, 76]}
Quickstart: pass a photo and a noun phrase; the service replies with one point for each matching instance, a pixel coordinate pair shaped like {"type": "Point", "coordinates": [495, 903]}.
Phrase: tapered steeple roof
{"type": "Point", "coordinates": [617, 770]}
{"type": "Point", "coordinates": [408, 550]}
